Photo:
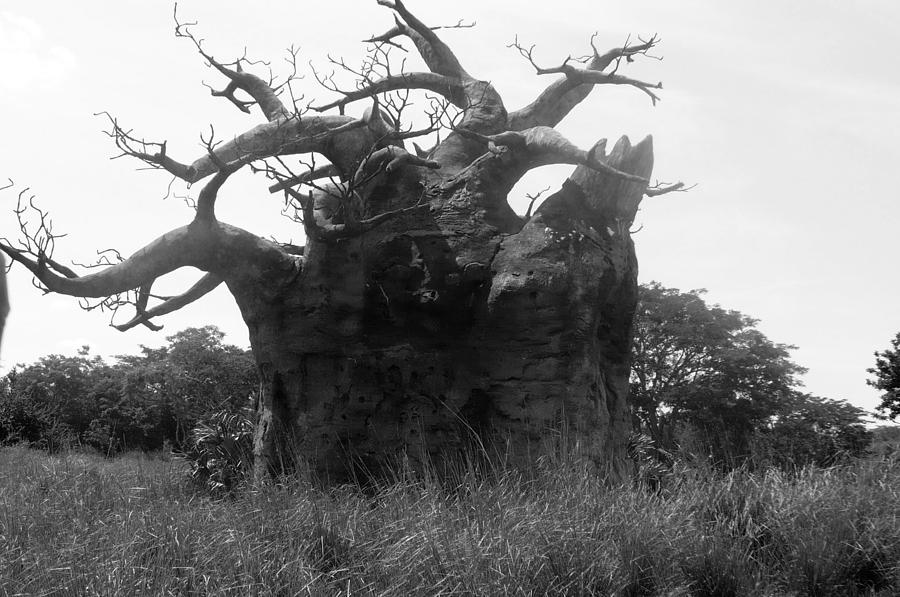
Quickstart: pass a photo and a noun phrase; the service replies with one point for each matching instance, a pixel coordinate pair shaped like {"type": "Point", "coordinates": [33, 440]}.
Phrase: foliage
{"type": "Point", "coordinates": [84, 525]}
{"type": "Point", "coordinates": [812, 430]}
{"type": "Point", "coordinates": [51, 403]}
{"type": "Point", "coordinates": [706, 366]}
{"type": "Point", "coordinates": [705, 378]}
{"type": "Point", "coordinates": [887, 379]}
{"type": "Point", "coordinates": [652, 463]}
{"type": "Point", "coordinates": [220, 450]}
{"type": "Point", "coordinates": [141, 402]}
{"type": "Point", "coordinates": [194, 376]}
{"type": "Point", "coordinates": [885, 441]}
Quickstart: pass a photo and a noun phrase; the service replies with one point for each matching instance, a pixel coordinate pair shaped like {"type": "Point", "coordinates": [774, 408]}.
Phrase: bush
{"type": "Point", "coordinates": [812, 431]}
{"type": "Point", "coordinates": [140, 403]}
{"type": "Point", "coordinates": [220, 450]}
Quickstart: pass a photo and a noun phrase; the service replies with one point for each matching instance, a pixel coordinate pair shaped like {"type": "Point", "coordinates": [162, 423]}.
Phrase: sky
{"type": "Point", "coordinates": [785, 115]}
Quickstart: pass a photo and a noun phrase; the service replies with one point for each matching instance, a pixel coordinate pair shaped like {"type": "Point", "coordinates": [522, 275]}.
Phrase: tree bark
{"type": "Point", "coordinates": [456, 326]}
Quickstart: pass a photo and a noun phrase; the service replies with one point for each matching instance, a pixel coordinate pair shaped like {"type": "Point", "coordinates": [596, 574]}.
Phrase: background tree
{"type": "Point", "coordinates": [887, 379]}
{"type": "Point", "coordinates": [142, 402]}
{"type": "Point", "coordinates": [706, 367]}
{"type": "Point", "coordinates": [885, 441]}
{"type": "Point", "coordinates": [51, 403]}
{"type": "Point", "coordinates": [421, 308]}
{"type": "Point", "coordinates": [192, 377]}
{"type": "Point", "coordinates": [812, 430]}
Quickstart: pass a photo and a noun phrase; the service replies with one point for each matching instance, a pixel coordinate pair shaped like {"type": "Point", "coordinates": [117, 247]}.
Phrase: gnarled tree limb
{"type": "Point", "coordinates": [436, 54]}
{"type": "Point", "coordinates": [327, 171]}
{"type": "Point", "coordinates": [662, 189]}
{"type": "Point", "coordinates": [330, 232]}
{"type": "Point", "coordinates": [392, 158]}
{"type": "Point", "coordinates": [342, 139]}
{"type": "Point", "coordinates": [177, 248]}
{"type": "Point", "coordinates": [582, 75]}
{"type": "Point", "coordinates": [206, 202]}
{"type": "Point", "coordinates": [321, 228]}
{"type": "Point", "coordinates": [263, 94]}
{"type": "Point", "coordinates": [204, 286]}
{"type": "Point", "coordinates": [448, 87]}
{"type": "Point", "coordinates": [542, 145]}
{"type": "Point", "coordinates": [561, 96]}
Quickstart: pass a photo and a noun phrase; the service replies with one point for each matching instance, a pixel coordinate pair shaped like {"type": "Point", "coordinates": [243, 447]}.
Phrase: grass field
{"type": "Point", "coordinates": [84, 525]}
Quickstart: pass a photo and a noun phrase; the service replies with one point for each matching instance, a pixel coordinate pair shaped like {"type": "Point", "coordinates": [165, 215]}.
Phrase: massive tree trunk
{"type": "Point", "coordinates": [423, 316]}
{"type": "Point", "coordinates": [456, 321]}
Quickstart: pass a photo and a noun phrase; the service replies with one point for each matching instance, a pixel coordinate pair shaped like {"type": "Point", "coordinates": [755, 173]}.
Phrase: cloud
{"type": "Point", "coordinates": [30, 60]}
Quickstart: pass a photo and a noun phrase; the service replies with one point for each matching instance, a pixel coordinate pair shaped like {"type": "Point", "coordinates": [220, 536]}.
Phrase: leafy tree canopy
{"type": "Point", "coordinates": [814, 430]}
{"type": "Point", "coordinates": [194, 374]}
{"type": "Point", "coordinates": [140, 402]}
{"type": "Point", "coordinates": [45, 403]}
{"type": "Point", "coordinates": [703, 364]}
{"type": "Point", "coordinates": [887, 379]}
{"type": "Point", "coordinates": [711, 370]}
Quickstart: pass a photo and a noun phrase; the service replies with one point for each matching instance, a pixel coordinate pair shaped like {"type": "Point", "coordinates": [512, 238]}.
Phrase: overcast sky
{"type": "Point", "coordinates": [785, 114]}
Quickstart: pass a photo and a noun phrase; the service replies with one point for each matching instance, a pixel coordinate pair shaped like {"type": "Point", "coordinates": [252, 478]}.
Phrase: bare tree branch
{"type": "Point", "coordinates": [561, 96]}
{"type": "Point", "coordinates": [448, 87]}
{"type": "Point", "coordinates": [143, 295]}
{"type": "Point", "coordinates": [331, 232]}
{"type": "Point", "coordinates": [175, 249]}
{"type": "Point", "coordinates": [150, 152]}
{"type": "Point", "coordinates": [664, 188]}
{"type": "Point", "coordinates": [436, 54]}
{"type": "Point", "coordinates": [322, 206]}
{"type": "Point", "coordinates": [532, 199]}
{"type": "Point", "coordinates": [342, 139]}
{"type": "Point", "coordinates": [36, 240]}
{"type": "Point", "coordinates": [206, 202]}
{"type": "Point", "coordinates": [204, 286]}
{"type": "Point", "coordinates": [579, 76]}
{"type": "Point", "coordinates": [263, 93]}
{"type": "Point", "coordinates": [392, 158]}
{"type": "Point", "coordinates": [481, 105]}
{"type": "Point", "coordinates": [542, 145]}
{"type": "Point", "coordinates": [205, 244]}
{"type": "Point", "coordinates": [327, 171]}
{"type": "Point", "coordinates": [396, 31]}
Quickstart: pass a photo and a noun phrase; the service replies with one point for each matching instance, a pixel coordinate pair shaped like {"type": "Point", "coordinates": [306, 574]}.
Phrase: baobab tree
{"type": "Point", "coordinates": [422, 313]}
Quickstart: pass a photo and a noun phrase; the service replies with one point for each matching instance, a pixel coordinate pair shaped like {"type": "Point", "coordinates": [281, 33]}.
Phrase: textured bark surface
{"type": "Point", "coordinates": [457, 321]}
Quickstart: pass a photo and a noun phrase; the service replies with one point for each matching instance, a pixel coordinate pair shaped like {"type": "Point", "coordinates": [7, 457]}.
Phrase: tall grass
{"type": "Point", "coordinates": [84, 525]}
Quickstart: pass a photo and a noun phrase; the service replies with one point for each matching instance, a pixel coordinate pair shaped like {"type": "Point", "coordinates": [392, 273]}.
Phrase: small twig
{"type": "Point", "coordinates": [663, 188]}
{"type": "Point", "coordinates": [532, 199]}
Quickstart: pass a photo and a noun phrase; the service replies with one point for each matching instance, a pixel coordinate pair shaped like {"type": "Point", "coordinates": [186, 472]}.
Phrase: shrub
{"type": "Point", "coordinates": [139, 403]}
{"type": "Point", "coordinates": [220, 450]}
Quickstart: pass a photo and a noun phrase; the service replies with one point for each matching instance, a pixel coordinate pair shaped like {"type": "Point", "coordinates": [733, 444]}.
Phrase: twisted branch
{"type": "Point", "coordinates": [542, 145]}
{"type": "Point", "coordinates": [561, 96]}
{"type": "Point", "coordinates": [436, 54]}
{"type": "Point", "coordinates": [263, 93]}
{"type": "Point", "coordinates": [204, 286]}
{"type": "Point", "coordinates": [447, 87]}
